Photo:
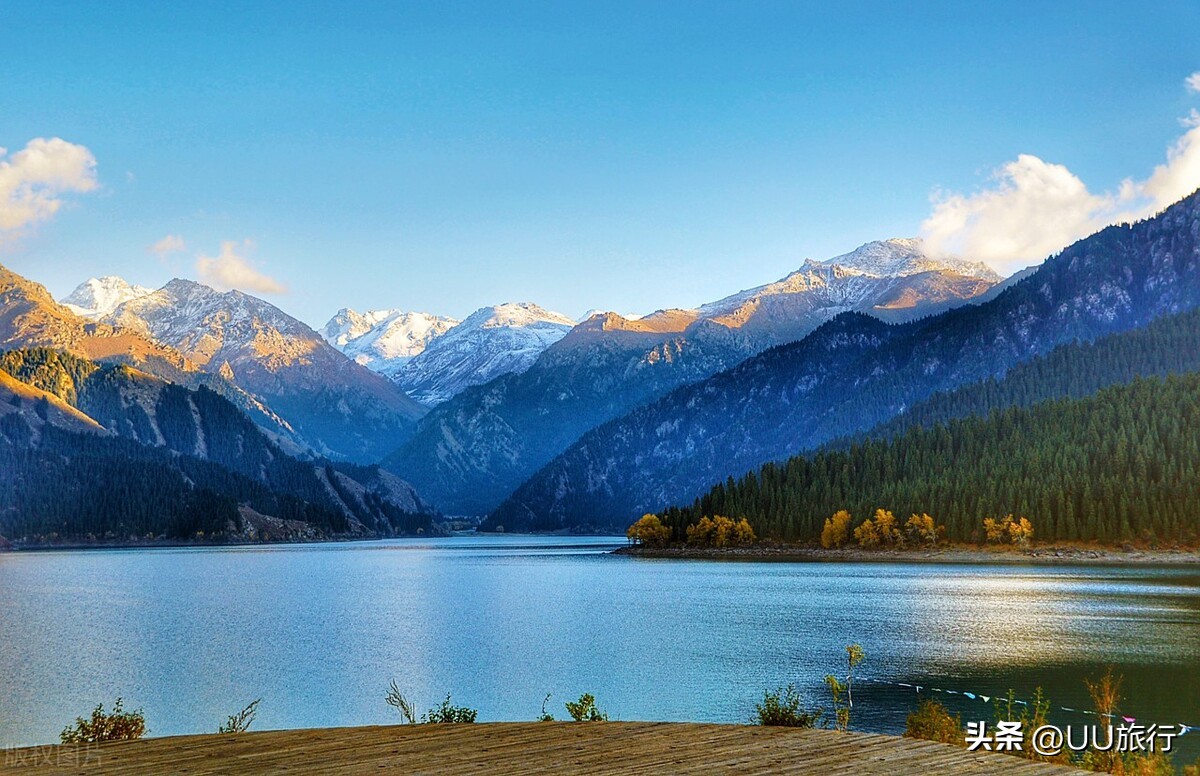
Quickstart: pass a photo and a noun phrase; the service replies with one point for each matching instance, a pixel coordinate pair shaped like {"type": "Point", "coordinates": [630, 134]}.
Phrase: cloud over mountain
{"type": "Point", "coordinates": [34, 180]}
{"type": "Point", "coordinates": [230, 270]}
{"type": "Point", "coordinates": [1035, 208]}
{"type": "Point", "coordinates": [172, 243]}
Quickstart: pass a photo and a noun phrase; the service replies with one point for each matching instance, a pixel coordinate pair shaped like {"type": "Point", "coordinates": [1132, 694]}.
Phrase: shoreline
{"type": "Point", "coordinates": [21, 546]}
{"type": "Point", "coordinates": [1048, 555]}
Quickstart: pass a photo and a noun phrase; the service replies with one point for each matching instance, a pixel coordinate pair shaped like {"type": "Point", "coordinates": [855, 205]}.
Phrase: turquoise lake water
{"type": "Point", "coordinates": [318, 631]}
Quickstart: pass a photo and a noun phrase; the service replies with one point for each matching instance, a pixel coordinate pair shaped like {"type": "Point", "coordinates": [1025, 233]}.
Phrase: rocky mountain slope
{"type": "Point", "coordinates": [30, 318]}
{"type": "Point", "coordinates": [196, 439]}
{"type": "Point", "coordinates": [339, 408]}
{"type": "Point", "coordinates": [855, 372]}
{"type": "Point", "coordinates": [469, 453]}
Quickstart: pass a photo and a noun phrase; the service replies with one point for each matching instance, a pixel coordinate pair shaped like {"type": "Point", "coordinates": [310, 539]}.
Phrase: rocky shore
{"type": "Point", "coordinates": [1066, 554]}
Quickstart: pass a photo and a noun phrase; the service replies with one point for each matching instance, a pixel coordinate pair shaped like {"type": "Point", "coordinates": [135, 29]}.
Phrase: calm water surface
{"type": "Point", "coordinates": [317, 631]}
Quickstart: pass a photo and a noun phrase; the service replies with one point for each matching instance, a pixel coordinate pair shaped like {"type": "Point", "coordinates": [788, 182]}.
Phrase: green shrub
{"type": "Point", "coordinates": [117, 725]}
{"type": "Point", "coordinates": [782, 709]}
{"type": "Point", "coordinates": [585, 710]}
{"type": "Point", "coordinates": [448, 713]}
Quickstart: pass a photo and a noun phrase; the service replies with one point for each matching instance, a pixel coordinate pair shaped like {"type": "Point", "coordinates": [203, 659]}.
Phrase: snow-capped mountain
{"type": "Point", "coordinates": [339, 408]}
{"type": "Point", "coordinates": [492, 341]}
{"type": "Point", "coordinates": [473, 450]}
{"type": "Point", "coordinates": [384, 340]}
{"type": "Point", "coordinates": [855, 372]}
{"type": "Point", "coordinates": [891, 279]}
{"type": "Point", "coordinates": [97, 297]}
{"type": "Point", "coordinates": [29, 317]}
{"type": "Point", "coordinates": [902, 256]}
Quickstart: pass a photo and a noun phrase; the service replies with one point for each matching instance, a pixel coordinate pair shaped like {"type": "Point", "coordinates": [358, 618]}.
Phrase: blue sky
{"type": "Point", "coordinates": [626, 156]}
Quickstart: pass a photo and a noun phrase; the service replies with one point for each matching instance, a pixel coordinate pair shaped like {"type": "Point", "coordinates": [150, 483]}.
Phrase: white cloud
{"type": "Point", "coordinates": [172, 243]}
{"type": "Point", "coordinates": [230, 270]}
{"type": "Point", "coordinates": [1193, 82]}
{"type": "Point", "coordinates": [33, 180]}
{"type": "Point", "coordinates": [1036, 208]}
{"type": "Point", "coordinates": [1180, 176]}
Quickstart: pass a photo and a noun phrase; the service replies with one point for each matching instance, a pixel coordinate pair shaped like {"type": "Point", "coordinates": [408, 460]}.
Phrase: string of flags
{"type": "Point", "coordinates": [919, 688]}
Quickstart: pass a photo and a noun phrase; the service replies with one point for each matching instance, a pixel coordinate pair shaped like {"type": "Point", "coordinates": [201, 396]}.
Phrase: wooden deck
{"type": "Point", "coordinates": [523, 747]}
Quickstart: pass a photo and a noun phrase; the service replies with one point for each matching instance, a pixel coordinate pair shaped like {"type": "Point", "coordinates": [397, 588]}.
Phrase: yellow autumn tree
{"type": "Point", "coordinates": [720, 531]}
{"type": "Point", "coordinates": [1020, 532]}
{"type": "Point", "coordinates": [866, 535]}
{"type": "Point", "coordinates": [995, 531]}
{"type": "Point", "coordinates": [921, 530]}
{"type": "Point", "coordinates": [1008, 530]}
{"type": "Point", "coordinates": [743, 533]}
{"type": "Point", "coordinates": [888, 529]}
{"type": "Point", "coordinates": [837, 530]}
{"type": "Point", "coordinates": [699, 533]}
{"type": "Point", "coordinates": [649, 531]}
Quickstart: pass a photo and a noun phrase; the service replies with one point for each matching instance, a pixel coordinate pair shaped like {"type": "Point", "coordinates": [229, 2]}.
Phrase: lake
{"type": "Point", "coordinates": [317, 631]}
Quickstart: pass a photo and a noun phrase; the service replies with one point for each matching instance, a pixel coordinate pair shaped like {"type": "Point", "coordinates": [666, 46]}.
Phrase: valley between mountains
{"type": "Point", "coordinates": [184, 413]}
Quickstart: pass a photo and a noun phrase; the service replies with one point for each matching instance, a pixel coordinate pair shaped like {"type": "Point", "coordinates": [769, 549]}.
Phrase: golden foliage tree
{"type": "Point", "coordinates": [837, 530]}
{"type": "Point", "coordinates": [743, 534]}
{"type": "Point", "coordinates": [1008, 530]}
{"type": "Point", "coordinates": [650, 531]}
{"type": "Point", "coordinates": [866, 536]}
{"type": "Point", "coordinates": [922, 530]}
{"type": "Point", "coordinates": [888, 528]}
{"type": "Point", "coordinates": [1020, 532]}
{"type": "Point", "coordinates": [719, 531]}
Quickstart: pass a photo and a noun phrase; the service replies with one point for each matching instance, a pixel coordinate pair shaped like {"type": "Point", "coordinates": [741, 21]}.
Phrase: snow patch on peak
{"type": "Point", "coordinates": [383, 340]}
{"type": "Point", "coordinates": [517, 315]}
{"type": "Point", "coordinates": [96, 297]}
{"type": "Point", "coordinates": [903, 256]}
{"type": "Point", "coordinates": [491, 341]}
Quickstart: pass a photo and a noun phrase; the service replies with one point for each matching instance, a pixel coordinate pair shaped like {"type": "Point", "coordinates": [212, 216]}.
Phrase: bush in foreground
{"type": "Point", "coordinates": [116, 725]}
{"type": "Point", "coordinates": [445, 713]}
{"type": "Point", "coordinates": [931, 722]}
{"type": "Point", "coordinates": [585, 709]}
{"type": "Point", "coordinates": [240, 722]}
{"type": "Point", "coordinates": [782, 709]}
{"type": "Point", "coordinates": [448, 713]}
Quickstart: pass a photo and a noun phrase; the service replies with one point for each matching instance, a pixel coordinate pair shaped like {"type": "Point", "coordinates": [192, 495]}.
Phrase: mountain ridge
{"type": "Point", "coordinates": [855, 372]}
{"type": "Point", "coordinates": [469, 453]}
{"type": "Point", "coordinates": [340, 408]}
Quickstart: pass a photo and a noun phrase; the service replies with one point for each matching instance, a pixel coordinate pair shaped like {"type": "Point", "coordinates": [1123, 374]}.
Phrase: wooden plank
{"type": "Point", "coordinates": [524, 747]}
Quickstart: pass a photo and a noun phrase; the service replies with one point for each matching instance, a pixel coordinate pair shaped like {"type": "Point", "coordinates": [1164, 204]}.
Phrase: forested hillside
{"type": "Point", "coordinates": [1170, 345]}
{"type": "Point", "coordinates": [1117, 466]}
{"type": "Point", "coordinates": [856, 372]}
{"type": "Point", "coordinates": [187, 461]}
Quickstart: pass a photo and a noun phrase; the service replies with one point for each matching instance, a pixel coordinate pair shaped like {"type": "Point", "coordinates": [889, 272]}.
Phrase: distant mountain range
{"type": "Point", "coordinates": [225, 414]}
{"type": "Point", "coordinates": [336, 407]}
{"type": "Point", "coordinates": [854, 372]}
{"type": "Point", "coordinates": [475, 449]}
